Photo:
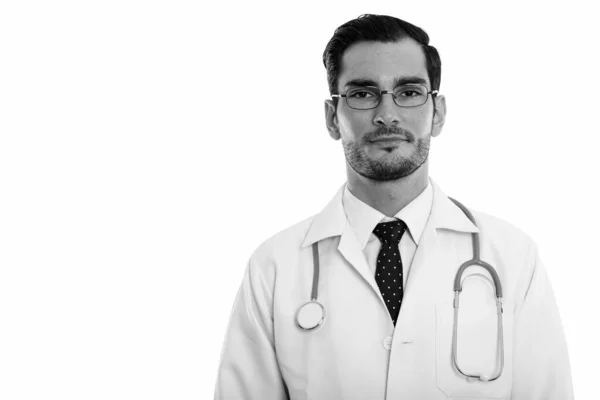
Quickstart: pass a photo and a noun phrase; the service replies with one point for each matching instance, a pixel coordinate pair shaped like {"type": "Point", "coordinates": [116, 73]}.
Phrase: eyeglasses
{"type": "Point", "coordinates": [369, 97]}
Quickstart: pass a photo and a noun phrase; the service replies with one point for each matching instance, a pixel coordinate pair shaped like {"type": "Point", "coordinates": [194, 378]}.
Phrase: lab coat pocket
{"type": "Point", "coordinates": [478, 345]}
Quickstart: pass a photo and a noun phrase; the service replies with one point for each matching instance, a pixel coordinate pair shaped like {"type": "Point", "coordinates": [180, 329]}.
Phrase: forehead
{"type": "Point", "coordinates": [382, 62]}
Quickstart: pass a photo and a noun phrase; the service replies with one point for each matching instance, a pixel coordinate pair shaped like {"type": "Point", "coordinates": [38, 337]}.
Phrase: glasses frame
{"type": "Point", "coordinates": [382, 92]}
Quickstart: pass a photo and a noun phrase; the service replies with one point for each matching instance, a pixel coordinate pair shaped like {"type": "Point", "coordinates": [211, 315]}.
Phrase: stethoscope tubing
{"type": "Point", "coordinates": [476, 260]}
{"type": "Point", "coordinates": [315, 285]}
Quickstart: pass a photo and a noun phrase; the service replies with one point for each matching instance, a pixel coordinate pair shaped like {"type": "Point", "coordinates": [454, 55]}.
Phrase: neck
{"type": "Point", "coordinates": [391, 196]}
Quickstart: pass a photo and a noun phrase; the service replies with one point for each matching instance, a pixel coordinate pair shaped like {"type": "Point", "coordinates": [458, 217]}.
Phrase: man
{"type": "Point", "coordinates": [385, 253]}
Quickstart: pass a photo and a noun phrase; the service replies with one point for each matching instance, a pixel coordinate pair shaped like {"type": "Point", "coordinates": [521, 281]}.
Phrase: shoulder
{"type": "Point", "coordinates": [282, 244]}
{"type": "Point", "coordinates": [513, 250]}
{"type": "Point", "coordinates": [492, 225]}
{"type": "Point", "coordinates": [503, 236]}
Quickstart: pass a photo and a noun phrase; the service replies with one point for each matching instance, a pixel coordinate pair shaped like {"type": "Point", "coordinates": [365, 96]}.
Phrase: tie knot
{"type": "Point", "coordinates": [390, 231]}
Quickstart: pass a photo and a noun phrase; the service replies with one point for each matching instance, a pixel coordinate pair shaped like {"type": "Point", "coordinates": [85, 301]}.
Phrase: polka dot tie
{"type": "Point", "coordinates": [388, 273]}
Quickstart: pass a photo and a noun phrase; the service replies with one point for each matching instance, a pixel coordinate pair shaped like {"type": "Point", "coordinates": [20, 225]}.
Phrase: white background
{"type": "Point", "coordinates": [148, 147]}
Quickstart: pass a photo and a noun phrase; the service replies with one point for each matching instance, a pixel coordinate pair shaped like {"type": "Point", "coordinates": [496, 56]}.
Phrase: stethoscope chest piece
{"type": "Point", "coordinates": [310, 315]}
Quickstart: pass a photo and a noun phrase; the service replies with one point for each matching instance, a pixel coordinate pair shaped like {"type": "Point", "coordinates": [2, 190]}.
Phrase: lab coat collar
{"type": "Point", "coordinates": [331, 221]}
{"type": "Point", "coordinates": [364, 218]}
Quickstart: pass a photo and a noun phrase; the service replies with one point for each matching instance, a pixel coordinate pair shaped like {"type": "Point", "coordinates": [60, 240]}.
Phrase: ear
{"type": "Point", "coordinates": [439, 116]}
{"type": "Point", "coordinates": [331, 120]}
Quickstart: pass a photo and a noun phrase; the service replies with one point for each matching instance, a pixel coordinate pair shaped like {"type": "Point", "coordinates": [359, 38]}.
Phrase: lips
{"type": "Point", "coordinates": [389, 139]}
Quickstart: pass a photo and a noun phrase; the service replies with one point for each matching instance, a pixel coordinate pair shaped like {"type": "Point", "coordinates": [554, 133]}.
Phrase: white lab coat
{"type": "Point", "coordinates": [358, 354]}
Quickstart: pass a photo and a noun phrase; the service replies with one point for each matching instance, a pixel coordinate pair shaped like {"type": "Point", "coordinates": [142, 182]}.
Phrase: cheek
{"type": "Point", "coordinates": [353, 126]}
{"type": "Point", "coordinates": [420, 122]}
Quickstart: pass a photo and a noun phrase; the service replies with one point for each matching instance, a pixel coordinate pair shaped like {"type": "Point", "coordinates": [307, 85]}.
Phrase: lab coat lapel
{"type": "Point", "coordinates": [432, 263]}
{"type": "Point", "coordinates": [352, 252]}
{"type": "Point", "coordinates": [332, 221]}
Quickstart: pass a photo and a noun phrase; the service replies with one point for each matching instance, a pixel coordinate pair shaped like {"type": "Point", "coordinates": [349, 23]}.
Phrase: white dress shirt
{"type": "Point", "coordinates": [363, 219]}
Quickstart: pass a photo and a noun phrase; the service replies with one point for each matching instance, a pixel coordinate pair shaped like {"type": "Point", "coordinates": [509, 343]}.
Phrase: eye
{"type": "Point", "coordinates": [361, 93]}
{"type": "Point", "coordinates": [409, 91]}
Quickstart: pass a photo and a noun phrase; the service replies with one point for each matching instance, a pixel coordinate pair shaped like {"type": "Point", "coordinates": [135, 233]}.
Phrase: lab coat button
{"type": "Point", "coordinates": [387, 343]}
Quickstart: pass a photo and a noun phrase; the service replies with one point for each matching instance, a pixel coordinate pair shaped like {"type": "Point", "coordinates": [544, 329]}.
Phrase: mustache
{"type": "Point", "coordinates": [390, 131]}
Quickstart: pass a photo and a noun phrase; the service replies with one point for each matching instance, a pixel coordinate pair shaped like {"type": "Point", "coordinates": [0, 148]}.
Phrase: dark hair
{"type": "Point", "coordinates": [379, 28]}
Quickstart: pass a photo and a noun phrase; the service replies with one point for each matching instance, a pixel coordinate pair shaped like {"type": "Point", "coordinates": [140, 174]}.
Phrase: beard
{"type": "Point", "coordinates": [391, 169]}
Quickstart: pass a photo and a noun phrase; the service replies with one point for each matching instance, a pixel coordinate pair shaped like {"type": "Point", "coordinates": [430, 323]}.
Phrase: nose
{"type": "Point", "coordinates": [387, 112]}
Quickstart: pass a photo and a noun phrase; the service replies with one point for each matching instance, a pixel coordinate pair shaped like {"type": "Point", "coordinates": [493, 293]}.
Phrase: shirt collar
{"type": "Point", "coordinates": [331, 221]}
{"type": "Point", "coordinates": [363, 218]}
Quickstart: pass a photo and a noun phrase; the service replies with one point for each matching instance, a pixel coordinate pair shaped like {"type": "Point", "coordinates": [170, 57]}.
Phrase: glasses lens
{"type": "Point", "coordinates": [363, 98]}
{"type": "Point", "coordinates": [410, 95]}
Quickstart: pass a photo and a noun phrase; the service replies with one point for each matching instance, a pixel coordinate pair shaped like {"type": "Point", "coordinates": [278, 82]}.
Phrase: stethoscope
{"type": "Point", "coordinates": [311, 315]}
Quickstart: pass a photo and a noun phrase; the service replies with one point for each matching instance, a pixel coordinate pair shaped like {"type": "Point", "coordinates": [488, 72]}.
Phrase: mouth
{"type": "Point", "coordinates": [389, 139]}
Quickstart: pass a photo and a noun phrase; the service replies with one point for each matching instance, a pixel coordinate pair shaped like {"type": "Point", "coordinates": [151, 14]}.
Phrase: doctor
{"type": "Point", "coordinates": [390, 243]}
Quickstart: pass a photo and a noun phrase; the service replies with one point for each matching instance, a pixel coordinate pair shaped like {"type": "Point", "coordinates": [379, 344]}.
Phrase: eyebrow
{"type": "Point", "coordinates": [405, 80]}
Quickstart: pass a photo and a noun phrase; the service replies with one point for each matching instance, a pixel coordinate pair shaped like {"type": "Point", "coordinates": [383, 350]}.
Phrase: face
{"type": "Point", "coordinates": [384, 65]}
